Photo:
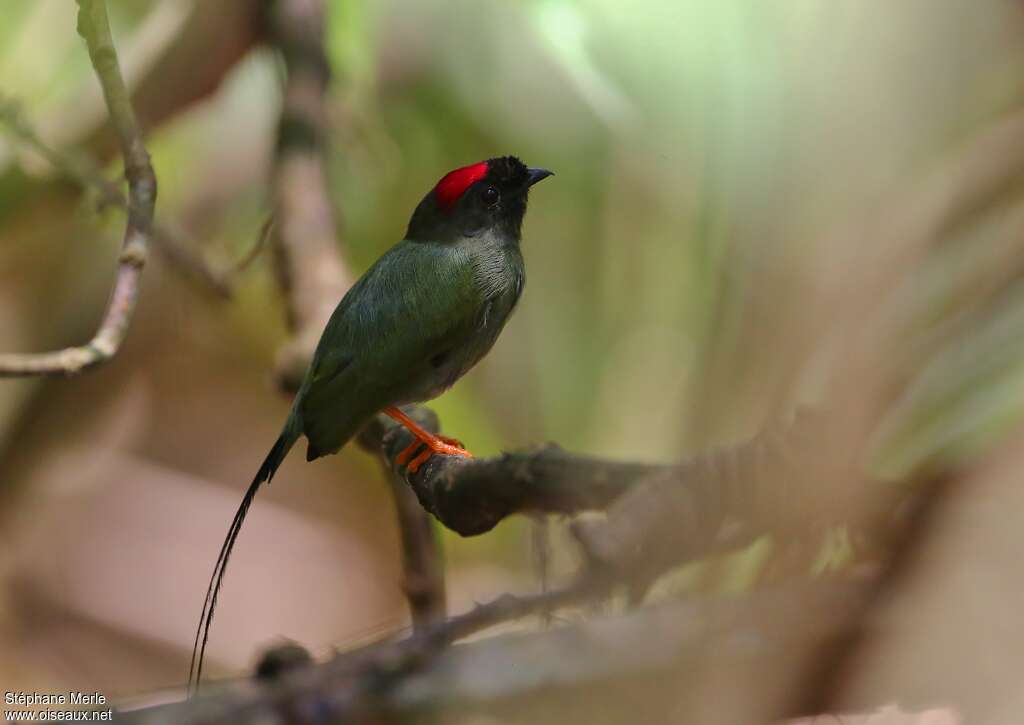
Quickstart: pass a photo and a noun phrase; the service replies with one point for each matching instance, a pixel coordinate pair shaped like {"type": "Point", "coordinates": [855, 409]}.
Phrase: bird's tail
{"type": "Point", "coordinates": [284, 443]}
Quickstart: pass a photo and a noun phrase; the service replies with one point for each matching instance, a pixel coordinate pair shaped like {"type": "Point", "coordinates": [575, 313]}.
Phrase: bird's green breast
{"type": "Point", "coordinates": [412, 325]}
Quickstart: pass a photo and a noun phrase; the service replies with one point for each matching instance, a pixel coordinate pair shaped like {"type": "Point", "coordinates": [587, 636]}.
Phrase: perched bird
{"type": "Point", "coordinates": [412, 325]}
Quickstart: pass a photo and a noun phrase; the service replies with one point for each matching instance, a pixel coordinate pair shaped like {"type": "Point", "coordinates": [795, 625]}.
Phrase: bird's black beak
{"type": "Point", "coordinates": [535, 175]}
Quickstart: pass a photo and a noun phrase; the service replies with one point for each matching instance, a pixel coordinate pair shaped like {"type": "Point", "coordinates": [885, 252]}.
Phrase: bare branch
{"type": "Point", "coordinates": [95, 30]}
{"type": "Point", "coordinates": [87, 175]}
{"type": "Point", "coordinates": [412, 676]}
{"type": "Point", "coordinates": [782, 480]}
{"type": "Point", "coordinates": [471, 495]}
{"type": "Point", "coordinates": [310, 269]}
{"type": "Point", "coordinates": [214, 38]}
{"type": "Point", "coordinates": [422, 562]}
{"type": "Point", "coordinates": [254, 251]}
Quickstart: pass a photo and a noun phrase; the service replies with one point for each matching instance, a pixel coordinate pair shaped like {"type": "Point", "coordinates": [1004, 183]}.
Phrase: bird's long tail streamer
{"type": "Point", "coordinates": [270, 464]}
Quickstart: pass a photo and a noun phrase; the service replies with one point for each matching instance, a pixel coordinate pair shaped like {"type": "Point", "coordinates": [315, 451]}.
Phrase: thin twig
{"type": "Point", "coordinates": [422, 561]}
{"type": "Point", "coordinates": [73, 166]}
{"type": "Point", "coordinates": [87, 175]}
{"type": "Point", "coordinates": [254, 251]}
{"type": "Point", "coordinates": [540, 550]}
{"type": "Point", "coordinates": [95, 30]}
{"type": "Point", "coordinates": [191, 68]}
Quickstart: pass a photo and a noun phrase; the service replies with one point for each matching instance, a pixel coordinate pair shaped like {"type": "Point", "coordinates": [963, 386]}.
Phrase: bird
{"type": "Point", "coordinates": [414, 323]}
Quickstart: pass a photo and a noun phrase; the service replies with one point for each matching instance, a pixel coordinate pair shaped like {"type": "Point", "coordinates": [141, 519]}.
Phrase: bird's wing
{"type": "Point", "coordinates": [416, 302]}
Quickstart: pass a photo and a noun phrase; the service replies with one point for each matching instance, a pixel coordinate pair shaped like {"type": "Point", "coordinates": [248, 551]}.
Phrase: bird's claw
{"type": "Point", "coordinates": [455, 443]}
{"type": "Point", "coordinates": [442, 445]}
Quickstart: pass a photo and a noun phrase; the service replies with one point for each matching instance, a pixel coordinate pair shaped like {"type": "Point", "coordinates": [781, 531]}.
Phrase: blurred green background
{"type": "Point", "coordinates": [712, 159]}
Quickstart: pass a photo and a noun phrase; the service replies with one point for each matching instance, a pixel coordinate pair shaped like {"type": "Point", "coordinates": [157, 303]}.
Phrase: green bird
{"type": "Point", "coordinates": [424, 314]}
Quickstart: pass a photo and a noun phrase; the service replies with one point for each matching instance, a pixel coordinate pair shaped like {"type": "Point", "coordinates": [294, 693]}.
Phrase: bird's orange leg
{"type": "Point", "coordinates": [434, 443]}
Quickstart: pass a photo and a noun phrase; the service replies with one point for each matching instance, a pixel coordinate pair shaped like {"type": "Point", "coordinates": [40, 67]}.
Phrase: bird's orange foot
{"type": "Point", "coordinates": [436, 444]}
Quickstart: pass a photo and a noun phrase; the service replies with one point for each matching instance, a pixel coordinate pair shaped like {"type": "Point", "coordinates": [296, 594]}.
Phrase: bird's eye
{"type": "Point", "coordinates": [491, 196]}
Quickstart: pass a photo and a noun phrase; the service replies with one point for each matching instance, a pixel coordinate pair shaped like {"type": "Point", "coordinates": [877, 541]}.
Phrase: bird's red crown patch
{"type": "Point", "coordinates": [454, 184]}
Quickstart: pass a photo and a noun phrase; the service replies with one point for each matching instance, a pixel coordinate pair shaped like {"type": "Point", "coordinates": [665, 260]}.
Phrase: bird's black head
{"type": "Point", "coordinates": [487, 197]}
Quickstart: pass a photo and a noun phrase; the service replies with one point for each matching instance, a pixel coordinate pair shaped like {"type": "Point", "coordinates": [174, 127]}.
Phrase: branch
{"type": "Point", "coordinates": [310, 270]}
{"type": "Point", "coordinates": [87, 175]}
{"type": "Point", "coordinates": [422, 562]}
{"type": "Point", "coordinates": [189, 69]}
{"type": "Point", "coordinates": [95, 30]}
{"type": "Point", "coordinates": [412, 677]}
{"type": "Point", "coordinates": [472, 495]}
{"type": "Point", "coordinates": [214, 38]}
{"type": "Point", "coordinates": [797, 480]}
